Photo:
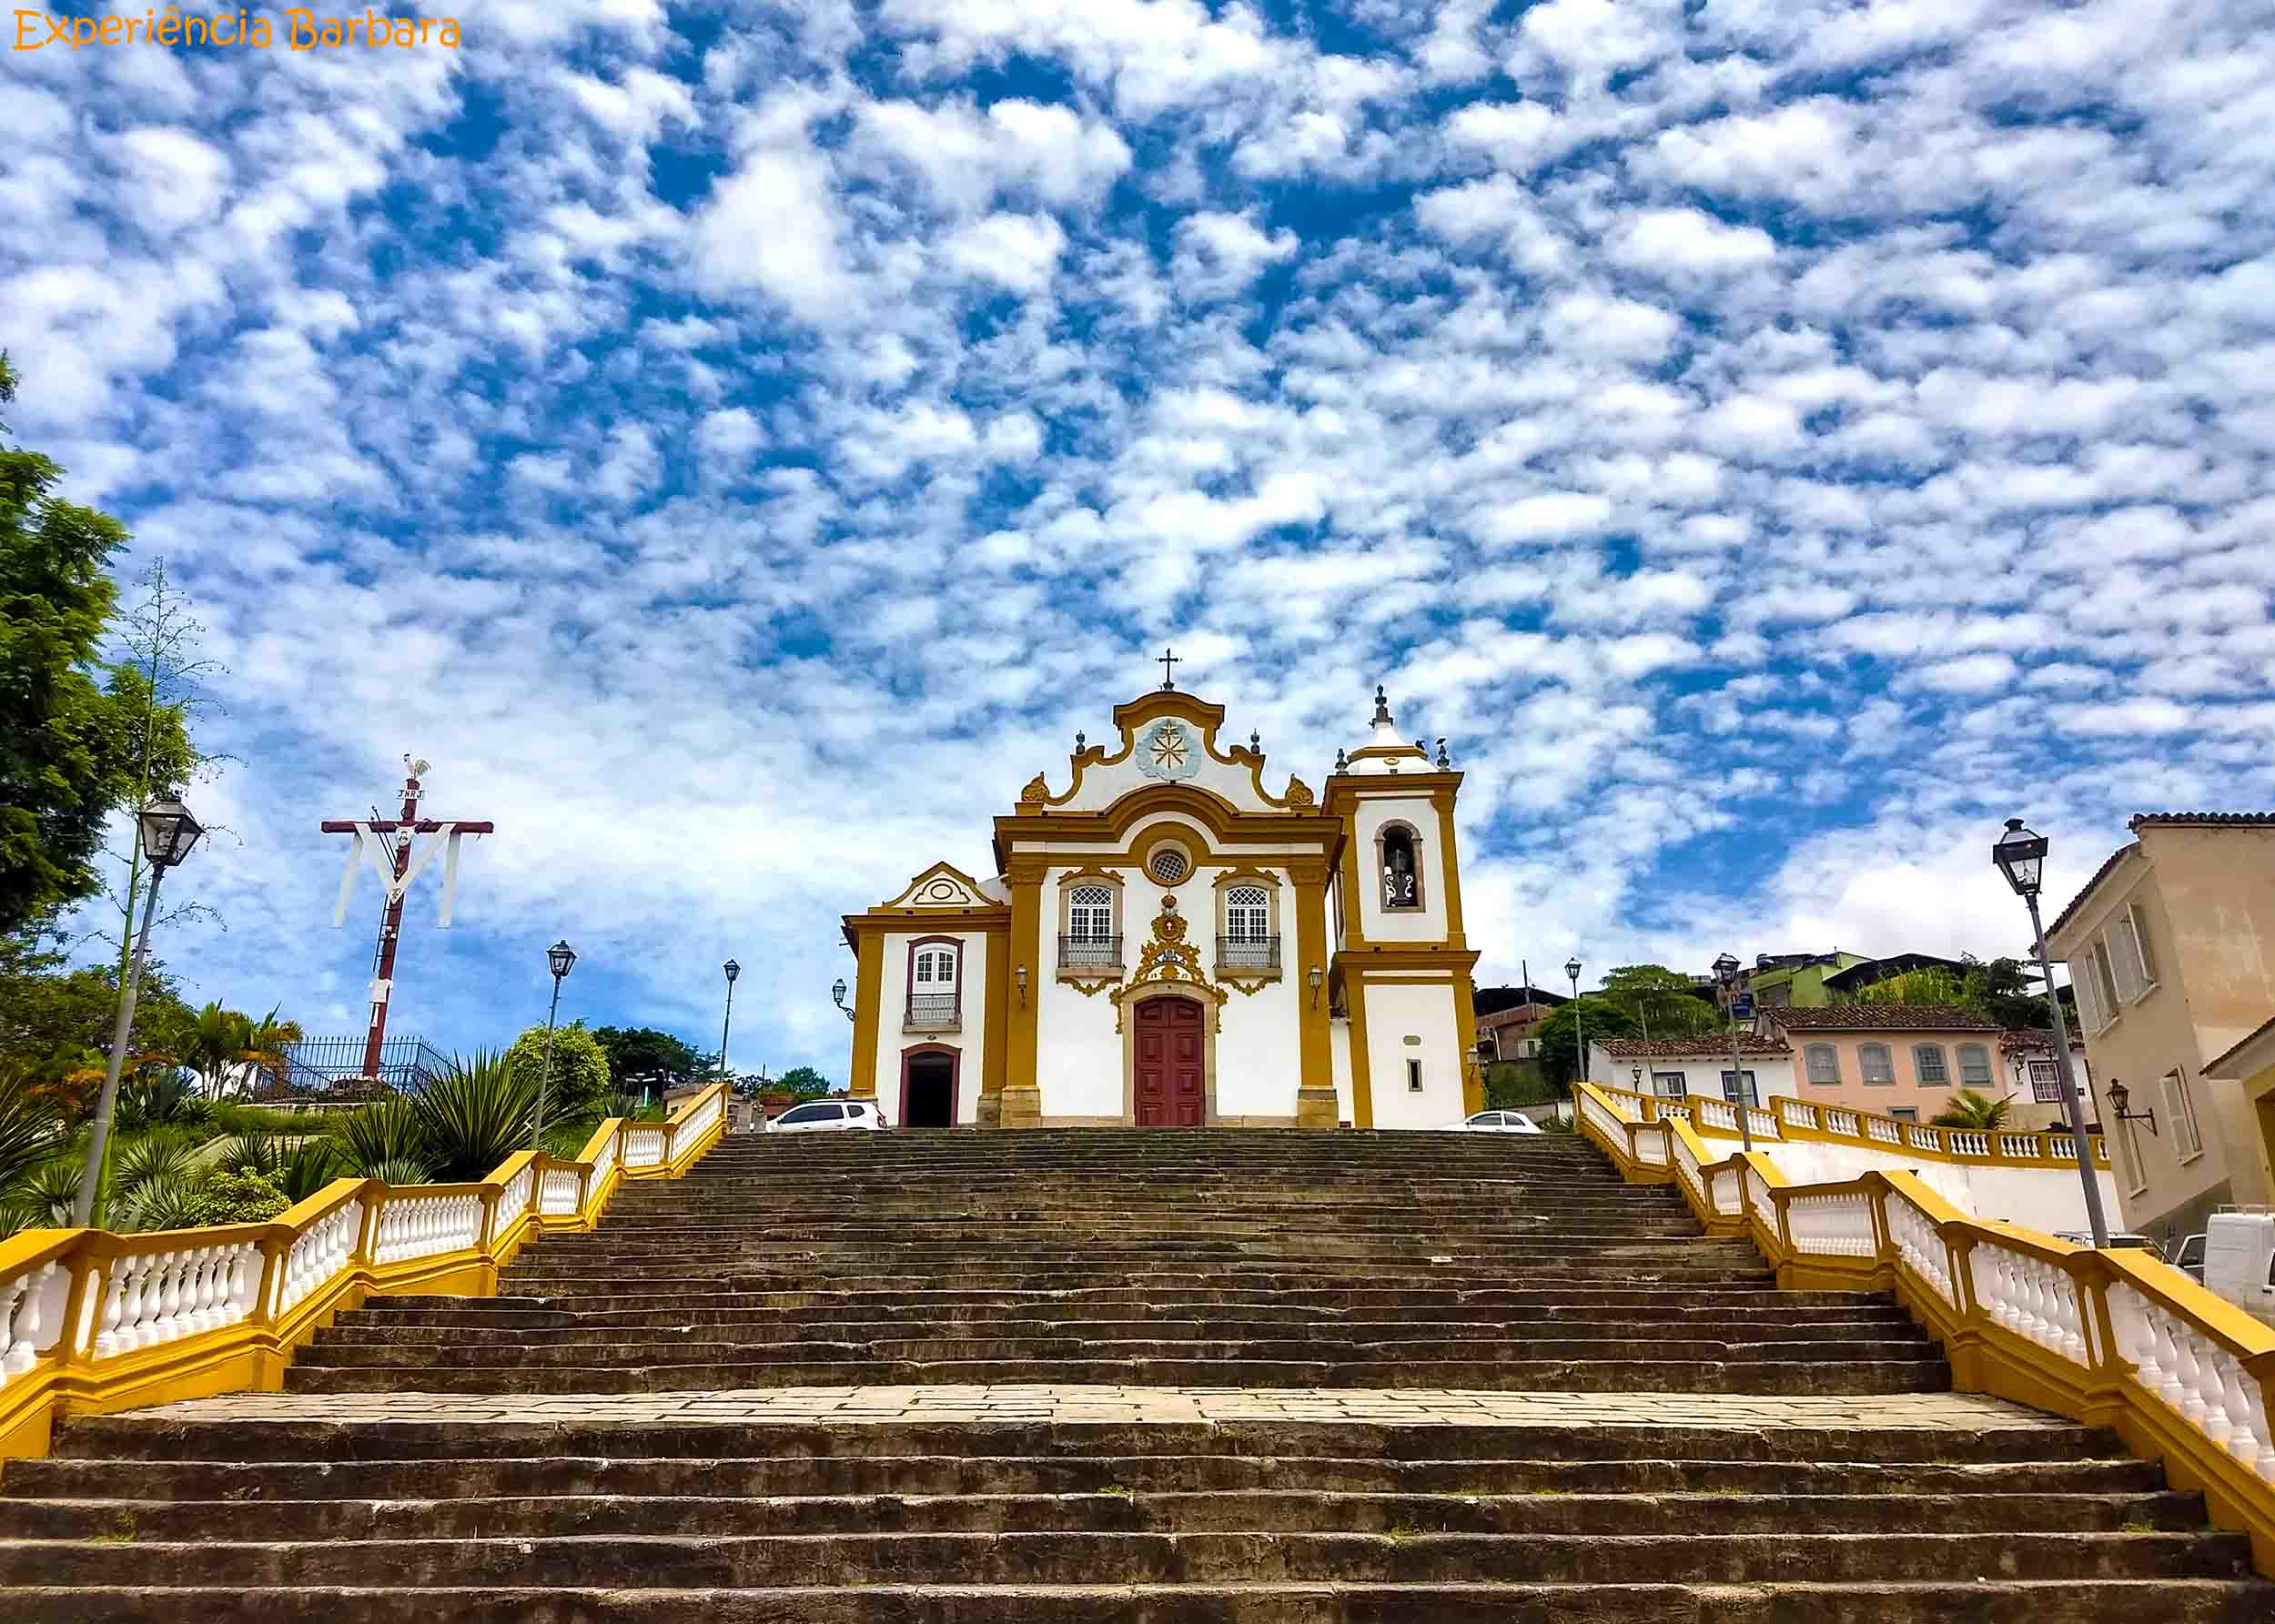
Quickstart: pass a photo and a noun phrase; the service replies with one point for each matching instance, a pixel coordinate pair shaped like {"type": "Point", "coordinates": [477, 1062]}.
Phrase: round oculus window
{"type": "Point", "coordinates": [1169, 865]}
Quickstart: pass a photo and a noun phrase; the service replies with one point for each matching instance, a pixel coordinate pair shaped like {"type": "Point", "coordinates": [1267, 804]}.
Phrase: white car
{"type": "Point", "coordinates": [829, 1116]}
{"type": "Point", "coordinates": [1496, 1121]}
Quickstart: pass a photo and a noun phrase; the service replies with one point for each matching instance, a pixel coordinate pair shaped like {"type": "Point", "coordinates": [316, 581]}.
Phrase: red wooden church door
{"type": "Point", "coordinates": [1170, 1054]}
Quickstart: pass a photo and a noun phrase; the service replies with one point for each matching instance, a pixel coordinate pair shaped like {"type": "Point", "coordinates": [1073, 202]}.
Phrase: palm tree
{"type": "Point", "coordinates": [222, 1045]}
{"type": "Point", "coordinates": [1979, 1112]}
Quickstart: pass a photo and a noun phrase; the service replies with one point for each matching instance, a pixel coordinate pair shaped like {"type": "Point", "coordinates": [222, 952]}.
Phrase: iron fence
{"type": "Point", "coordinates": [321, 1067]}
{"type": "Point", "coordinates": [1090, 953]}
{"type": "Point", "coordinates": [1247, 952]}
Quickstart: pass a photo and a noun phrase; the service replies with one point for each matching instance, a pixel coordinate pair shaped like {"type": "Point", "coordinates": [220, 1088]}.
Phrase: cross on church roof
{"type": "Point", "coordinates": [1169, 660]}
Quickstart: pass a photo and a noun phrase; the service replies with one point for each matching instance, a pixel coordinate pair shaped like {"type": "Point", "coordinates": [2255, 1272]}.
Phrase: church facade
{"type": "Point", "coordinates": [1167, 943]}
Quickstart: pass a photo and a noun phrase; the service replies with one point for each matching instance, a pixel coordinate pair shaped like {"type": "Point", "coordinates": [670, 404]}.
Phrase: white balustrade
{"type": "Point", "coordinates": [31, 1316]}
{"type": "Point", "coordinates": [2031, 1297]}
{"type": "Point", "coordinates": [1728, 1192]}
{"type": "Point", "coordinates": [604, 1159]}
{"type": "Point", "coordinates": [1920, 1245]}
{"type": "Point", "coordinates": [2196, 1375]}
{"type": "Point", "coordinates": [643, 1145]}
{"type": "Point", "coordinates": [697, 1122]}
{"type": "Point", "coordinates": [413, 1225]}
{"type": "Point", "coordinates": [1602, 1118]}
{"type": "Point", "coordinates": [1967, 1142]}
{"type": "Point", "coordinates": [562, 1191]}
{"type": "Point", "coordinates": [1847, 1124]}
{"type": "Point", "coordinates": [1650, 1144]}
{"type": "Point", "coordinates": [1882, 1129]}
{"type": "Point", "coordinates": [1713, 1113]}
{"type": "Point", "coordinates": [513, 1201]}
{"type": "Point", "coordinates": [1757, 1194]}
{"type": "Point", "coordinates": [1837, 1224]}
{"type": "Point", "coordinates": [1798, 1113]}
{"type": "Point", "coordinates": [1920, 1138]}
{"type": "Point", "coordinates": [160, 1296]}
{"type": "Point", "coordinates": [1763, 1121]}
{"type": "Point", "coordinates": [2062, 1147]}
{"type": "Point", "coordinates": [2020, 1145]}
{"type": "Point", "coordinates": [1675, 1110]}
{"type": "Point", "coordinates": [320, 1252]}
{"type": "Point", "coordinates": [1626, 1106]}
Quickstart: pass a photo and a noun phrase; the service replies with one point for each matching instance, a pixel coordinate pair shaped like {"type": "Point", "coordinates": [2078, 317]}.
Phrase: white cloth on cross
{"type": "Point", "coordinates": [423, 845]}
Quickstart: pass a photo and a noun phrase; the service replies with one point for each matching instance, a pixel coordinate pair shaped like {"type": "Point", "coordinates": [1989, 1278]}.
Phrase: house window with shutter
{"type": "Point", "coordinates": [1927, 1063]}
{"type": "Point", "coordinates": [1877, 1063]}
{"type": "Point", "coordinates": [1974, 1065]}
{"type": "Point", "coordinates": [2104, 979]}
{"type": "Point", "coordinates": [1824, 1064]}
{"type": "Point", "coordinates": [2188, 1139]}
{"type": "Point", "coordinates": [2081, 986]}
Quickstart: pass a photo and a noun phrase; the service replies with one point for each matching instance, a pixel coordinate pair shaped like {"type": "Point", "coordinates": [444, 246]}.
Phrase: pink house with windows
{"type": "Point", "coordinates": [1902, 1060]}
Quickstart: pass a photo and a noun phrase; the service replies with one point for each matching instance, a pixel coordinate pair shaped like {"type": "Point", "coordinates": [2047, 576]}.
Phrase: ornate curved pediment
{"type": "Point", "coordinates": [943, 885]}
{"type": "Point", "coordinates": [1169, 960]}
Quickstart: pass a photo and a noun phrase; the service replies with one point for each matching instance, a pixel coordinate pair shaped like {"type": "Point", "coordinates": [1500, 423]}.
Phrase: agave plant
{"type": "Point", "coordinates": [168, 1201]}
{"type": "Point", "coordinates": [150, 1159]}
{"type": "Point", "coordinates": [475, 1115]}
{"type": "Point", "coordinates": [386, 1134]}
{"type": "Point", "coordinates": [159, 1098]}
{"type": "Point", "coordinates": [28, 1126]}
{"type": "Point", "coordinates": [314, 1163]}
{"type": "Point", "coordinates": [1979, 1112]}
{"type": "Point", "coordinates": [260, 1153]}
{"type": "Point", "coordinates": [41, 1197]}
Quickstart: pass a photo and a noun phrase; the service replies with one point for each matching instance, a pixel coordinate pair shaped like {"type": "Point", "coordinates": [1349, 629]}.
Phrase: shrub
{"type": "Point", "coordinates": [477, 1114]}
{"type": "Point", "coordinates": [168, 1202]}
{"type": "Point", "coordinates": [41, 1197]}
{"type": "Point", "coordinates": [28, 1126]}
{"type": "Point", "coordinates": [580, 1087]}
{"type": "Point", "coordinates": [237, 1198]}
{"type": "Point", "coordinates": [253, 1153]}
{"type": "Point", "coordinates": [314, 1163]}
{"type": "Point", "coordinates": [155, 1100]}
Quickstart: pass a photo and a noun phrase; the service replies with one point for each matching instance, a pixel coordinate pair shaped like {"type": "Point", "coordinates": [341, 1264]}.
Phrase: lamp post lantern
{"type": "Point", "coordinates": [726, 1026]}
{"type": "Point", "coordinates": [559, 958]}
{"type": "Point", "coordinates": [1726, 969]}
{"type": "Point", "coordinates": [1579, 1038]}
{"type": "Point", "coordinates": [837, 995]}
{"type": "Point", "coordinates": [168, 832]}
{"type": "Point", "coordinates": [2020, 855]}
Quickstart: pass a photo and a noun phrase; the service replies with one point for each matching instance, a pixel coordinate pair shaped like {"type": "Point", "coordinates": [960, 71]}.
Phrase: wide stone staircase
{"type": "Point", "coordinates": [1416, 1377]}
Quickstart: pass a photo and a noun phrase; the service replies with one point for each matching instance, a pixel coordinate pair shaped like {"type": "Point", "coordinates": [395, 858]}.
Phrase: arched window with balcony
{"type": "Point", "coordinates": [936, 984]}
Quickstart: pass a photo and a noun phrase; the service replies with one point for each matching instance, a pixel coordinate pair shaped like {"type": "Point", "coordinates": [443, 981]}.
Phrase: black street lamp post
{"type": "Point", "coordinates": [1726, 972]}
{"type": "Point", "coordinates": [726, 1026]}
{"type": "Point", "coordinates": [2020, 855]}
{"type": "Point", "coordinates": [1579, 1039]}
{"type": "Point", "coordinates": [168, 832]}
{"type": "Point", "coordinates": [559, 958]}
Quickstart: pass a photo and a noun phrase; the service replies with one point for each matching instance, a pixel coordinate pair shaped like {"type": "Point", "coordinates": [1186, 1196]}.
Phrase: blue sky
{"type": "Point", "coordinates": [739, 446]}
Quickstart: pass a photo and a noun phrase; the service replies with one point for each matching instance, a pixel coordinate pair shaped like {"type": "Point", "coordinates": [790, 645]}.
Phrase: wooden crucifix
{"type": "Point", "coordinates": [391, 842]}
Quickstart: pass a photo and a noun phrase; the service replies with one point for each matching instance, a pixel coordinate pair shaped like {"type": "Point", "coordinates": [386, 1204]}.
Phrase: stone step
{"type": "Point", "coordinates": [155, 1437]}
{"type": "Point", "coordinates": [371, 1330]}
{"type": "Point", "coordinates": [78, 1479]}
{"type": "Point", "coordinates": [1079, 1557]}
{"type": "Point", "coordinates": [2065, 1601]}
{"type": "Point", "coordinates": [645, 1513]}
{"type": "Point", "coordinates": [1652, 1296]}
{"type": "Point", "coordinates": [1452, 1318]}
{"type": "Point", "coordinates": [1924, 1373]}
{"type": "Point", "coordinates": [1142, 1341]}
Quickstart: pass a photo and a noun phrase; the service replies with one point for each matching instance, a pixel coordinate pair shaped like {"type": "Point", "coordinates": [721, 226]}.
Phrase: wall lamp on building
{"type": "Point", "coordinates": [1315, 978]}
{"type": "Point", "coordinates": [2121, 1097]}
{"type": "Point", "coordinates": [837, 994]}
{"type": "Point", "coordinates": [1635, 1075]}
{"type": "Point", "coordinates": [1021, 974]}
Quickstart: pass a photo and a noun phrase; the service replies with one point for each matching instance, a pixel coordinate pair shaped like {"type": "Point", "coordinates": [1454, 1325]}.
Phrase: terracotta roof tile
{"type": "Point", "coordinates": [1882, 1017]}
{"type": "Point", "coordinates": [1672, 1049]}
{"type": "Point", "coordinates": [2243, 820]}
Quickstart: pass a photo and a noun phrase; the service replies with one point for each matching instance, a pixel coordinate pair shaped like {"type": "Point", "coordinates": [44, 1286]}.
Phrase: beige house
{"type": "Point", "coordinates": [1902, 1060]}
{"type": "Point", "coordinates": [2171, 948]}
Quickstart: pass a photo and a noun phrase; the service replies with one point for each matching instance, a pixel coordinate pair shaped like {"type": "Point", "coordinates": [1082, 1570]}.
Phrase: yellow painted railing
{"type": "Point", "coordinates": [92, 1322]}
{"type": "Point", "coordinates": [1805, 1122]}
{"type": "Point", "coordinates": [2112, 1338]}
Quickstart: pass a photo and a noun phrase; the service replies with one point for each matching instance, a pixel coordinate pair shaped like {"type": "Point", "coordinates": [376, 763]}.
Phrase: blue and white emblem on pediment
{"type": "Point", "coordinates": [1170, 750]}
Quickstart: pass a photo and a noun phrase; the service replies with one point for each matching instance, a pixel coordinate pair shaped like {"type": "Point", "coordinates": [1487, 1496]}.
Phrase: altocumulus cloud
{"type": "Point", "coordinates": [1772, 444]}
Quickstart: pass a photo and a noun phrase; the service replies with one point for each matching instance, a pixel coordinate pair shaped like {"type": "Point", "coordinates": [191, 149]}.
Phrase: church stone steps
{"type": "Point", "coordinates": [2120, 1601]}
{"type": "Point", "coordinates": [1062, 1558]}
{"type": "Point", "coordinates": [1210, 1261]}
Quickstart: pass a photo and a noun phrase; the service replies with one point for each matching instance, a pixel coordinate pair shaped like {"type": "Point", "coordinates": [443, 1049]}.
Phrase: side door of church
{"type": "Point", "coordinates": [1170, 1060]}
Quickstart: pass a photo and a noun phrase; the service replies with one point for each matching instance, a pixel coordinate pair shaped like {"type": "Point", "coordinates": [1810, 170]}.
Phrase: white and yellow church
{"type": "Point", "coordinates": [1166, 942]}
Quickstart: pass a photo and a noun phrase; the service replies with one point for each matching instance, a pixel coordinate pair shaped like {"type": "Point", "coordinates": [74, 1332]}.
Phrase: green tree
{"type": "Point", "coordinates": [56, 1022]}
{"type": "Point", "coordinates": [63, 750]}
{"type": "Point", "coordinates": [1931, 983]}
{"type": "Point", "coordinates": [1661, 1001]}
{"type": "Point", "coordinates": [580, 1089]}
{"type": "Point", "coordinates": [2008, 992]}
{"type": "Point", "coordinates": [1593, 1016]}
{"type": "Point", "coordinates": [804, 1081]}
{"type": "Point", "coordinates": [237, 1198]}
{"type": "Point", "coordinates": [642, 1059]}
